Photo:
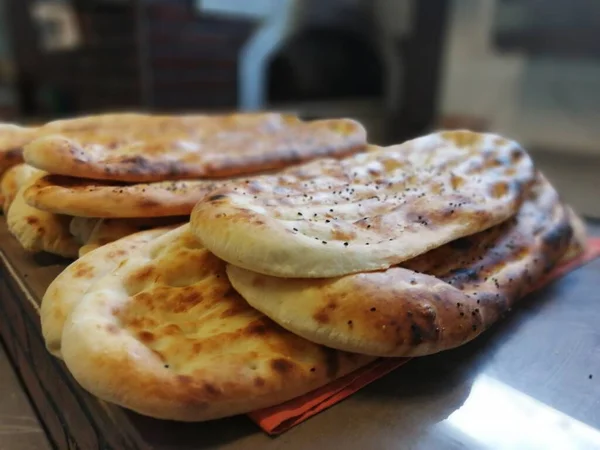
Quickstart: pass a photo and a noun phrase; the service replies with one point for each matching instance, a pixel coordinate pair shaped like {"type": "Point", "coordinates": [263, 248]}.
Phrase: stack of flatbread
{"type": "Point", "coordinates": [90, 180]}
{"type": "Point", "coordinates": [283, 282]}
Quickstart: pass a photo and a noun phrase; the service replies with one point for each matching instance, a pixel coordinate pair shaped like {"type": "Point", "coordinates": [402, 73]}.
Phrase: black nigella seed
{"type": "Point", "coordinates": [295, 229]}
{"type": "Point", "coordinates": [299, 213]}
{"type": "Point", "coordinates": [590, 376]}
{"type": "Point", "coordinates": [166, 366]}
{"type": "Point", "coordinates": [373, 309]}
{"type": "Point", "coordinates": [345, 244]}
{"type": "Point", "coordinates": [327, 221]}
{"type": "Point", "coordinates": [331, 210]}
{"type": "Point", "coordinates": [324, 242]}
{"type": "Point", "coordinates": [312, 369]}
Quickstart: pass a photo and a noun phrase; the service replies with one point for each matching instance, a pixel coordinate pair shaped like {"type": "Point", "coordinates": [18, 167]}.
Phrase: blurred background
{"type": "Point", "coordinates": [529, 69]}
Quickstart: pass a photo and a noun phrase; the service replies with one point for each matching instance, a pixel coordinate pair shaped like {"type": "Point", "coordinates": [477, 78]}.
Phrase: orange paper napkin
{"type": "Point", "coordinates": [280, 418]}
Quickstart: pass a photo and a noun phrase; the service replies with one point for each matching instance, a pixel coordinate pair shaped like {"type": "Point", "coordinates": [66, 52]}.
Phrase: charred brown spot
{"type": "Point", "coordinates": [211, 389]}
{"type": "Point", "coordinates": [499, 189]}
{"type": "Point", "coordinates": [456, 181]}
{"type": "Point", "coordinates": [259, 382]}
{"type": "Point", "coordinates": [282, 366]}
{"type": "Point", "coordinates": [146, 336]}
{"type": "Point", "coordinates": [185, 301]}
{"type": "Point", "coordinates": [83, 271]}
{"type": "Point", "coordinates": [341, 235]}
{"type": "Point", "coordinates": [258, 328]}
{"type": "Point", "coordinates": [142, 274]}
{"type": "Point", "coordinates": [321, 316]}
{"type": "Point", "coordinates": [214, 198]}
{"type": "Point", "coordinates": [31, 220]}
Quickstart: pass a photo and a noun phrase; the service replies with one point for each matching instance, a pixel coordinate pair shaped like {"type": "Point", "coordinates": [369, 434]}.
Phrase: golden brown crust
{"type": "Point", "coordinates": [68, 288]}
{"type": "Point", "coordinates": [88, 198]}
{"type": "Point", "coordinates": [434, 302]}
{"type": "Point", "coordinates": [12, 140]}
{"type": "Point", "coordinates": [12, 180]}
{"type": "Point", "coordinates": [167, 336]}
{"type": "Point", "coordinates": [155, 148]}
{"type": "Point", "coordinates": [369, 211]}
{"type": "Point", "coordinates": [40, 231]}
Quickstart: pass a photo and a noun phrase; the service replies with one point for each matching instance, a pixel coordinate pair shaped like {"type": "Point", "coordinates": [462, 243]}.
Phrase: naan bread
{"type": "Point", "coordinates": [68, 288]}
{"type": "Point", "coordinates": [434, 302]}
{"type": "Point", "coordinates": [185, 147]}
{"type": "Point", "coordinates": [87, 198]}
{"type": "Point", "coordinates": [12, 140]}
{"type": "Point", "coordinates": [105, 231]}
{"type": "Point", "coordinates": [13, 179]}
{"type": "Point", "coordinates": [369, 211]}
{"type": "Point", "coordinates": [166, 335]}
{"type": "Point", "coordinates": [40, 231]}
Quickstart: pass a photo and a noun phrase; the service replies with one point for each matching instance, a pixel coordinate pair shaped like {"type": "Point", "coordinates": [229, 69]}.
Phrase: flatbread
{"type": "Point", "coordinates": [70, 286]}
{"type": "Point", "coordinates": [12, 139]}
{"type": "Point", "coordinates": [40, 231]}
{"type": "Point", "coordinates": [87, 198]}
{"type": "Point", "coordinates": [165, 335]}
{"type": "Point", "coordinates": [369, 211]}
{"type": "Point", "coordinates": [435, 302]}
{"type": "Point", "coordinates": [105, 231]}
{"type": "Point", "coordinates": [14, 178]}
{"type": "Point", "coordinates": [162, 148]}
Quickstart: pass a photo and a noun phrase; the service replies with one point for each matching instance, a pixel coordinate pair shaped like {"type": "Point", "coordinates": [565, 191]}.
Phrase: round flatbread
{"type": "Point", "coordinates": [88, 198]}
{"type": "Point", "coordinates": [158, 148]}
{"type": "Point", "coordinates": [435, 302]}
{"type": "Point", "coordinates": [166, 335]}
{"type": "Point", "coordinates": [369, 211]}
